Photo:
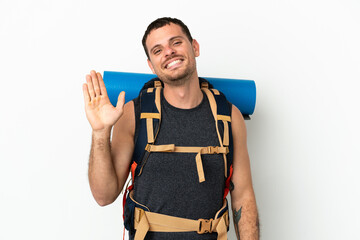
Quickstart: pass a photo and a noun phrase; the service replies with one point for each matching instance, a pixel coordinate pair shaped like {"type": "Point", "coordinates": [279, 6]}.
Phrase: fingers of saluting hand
{"type": "Point", "coordinates": [87, 98]}
{"type": "Point", "coordinates": [121, 100]}
{"type": "Point", "coordinates": [95, 82]}
{"type": "Point", "coordinates": [95, 85]}
{"type": "Point", "coordinates": [90, 86]}
{"type": "Point", "coordinates": [102, 85]}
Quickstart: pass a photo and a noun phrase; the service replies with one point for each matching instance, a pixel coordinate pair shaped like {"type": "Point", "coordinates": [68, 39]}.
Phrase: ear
{"type": "Point", "coordinates": [196, 48]}
{"type": "Point", "coordinates": [150, 66]}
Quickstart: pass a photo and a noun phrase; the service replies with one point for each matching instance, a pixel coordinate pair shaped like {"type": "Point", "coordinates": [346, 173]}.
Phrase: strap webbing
{"type": "Point", "coordinates": [225, 120]}
{"type": "Point", "coordinates": [150, 115]}
{"type": "Point", "coordinates": [213, 107]}
{"type": "Point", "coordinates": [198, 150]}
{"type": "Point", "coordinates": [158, 99]}
{"type": "Point", "coordinates": [145, 221]}
{"type": "Point", "coordinates": [149, 124]}
{"type": "Point", "coordinates": [151, 135]}
{"type": "Point", "coordinates": [226, 133]}
{"type": "Point", "coordinates": [215, 91]}
{"type": "Point", "coordinates": [150, 130]}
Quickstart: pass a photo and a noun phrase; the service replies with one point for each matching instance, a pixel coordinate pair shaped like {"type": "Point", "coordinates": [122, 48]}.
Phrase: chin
{"type": "Point", "coordinates": [176, 78]}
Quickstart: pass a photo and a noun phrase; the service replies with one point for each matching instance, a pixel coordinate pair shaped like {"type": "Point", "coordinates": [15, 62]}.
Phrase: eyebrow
{"type": "Point", "coordinates": [171, 39]}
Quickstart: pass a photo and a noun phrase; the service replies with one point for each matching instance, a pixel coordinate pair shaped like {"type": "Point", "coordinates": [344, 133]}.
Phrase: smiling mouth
{"type": "Point", "coordinates": [169, 65]}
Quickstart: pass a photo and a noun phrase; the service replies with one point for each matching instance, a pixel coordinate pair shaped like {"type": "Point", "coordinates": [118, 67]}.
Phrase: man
{"type": "Point", "coordinates": [167, 184]}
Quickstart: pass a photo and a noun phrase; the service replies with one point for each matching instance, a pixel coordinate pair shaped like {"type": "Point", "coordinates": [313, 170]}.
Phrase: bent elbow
{"type": "Point", "coordinates": [104, 202]}
{"type": "Point", "coordinates": [104, 196]}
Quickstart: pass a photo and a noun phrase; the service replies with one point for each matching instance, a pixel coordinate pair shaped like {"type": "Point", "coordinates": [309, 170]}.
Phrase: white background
{"type": "Point", "coordinates": [303, 138]}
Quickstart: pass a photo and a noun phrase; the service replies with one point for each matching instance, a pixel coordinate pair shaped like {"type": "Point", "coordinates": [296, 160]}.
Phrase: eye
{"type": "Point", "coordinates": [177, 43]}
{"type": "Point", "coordinates": [156, 52]}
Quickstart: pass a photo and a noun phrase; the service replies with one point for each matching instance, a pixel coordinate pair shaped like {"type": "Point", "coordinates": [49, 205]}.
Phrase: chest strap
{"type": "Point", "coordinates": [198, 150]}
{"type": "Point", "coordinates": [155, 222]}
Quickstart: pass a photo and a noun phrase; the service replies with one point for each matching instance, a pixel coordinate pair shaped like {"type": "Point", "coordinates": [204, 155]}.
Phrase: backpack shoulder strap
{"type": "Point", "coordinates": [150, 116]}
{"type": "Point", "coordinates": [221, 110]}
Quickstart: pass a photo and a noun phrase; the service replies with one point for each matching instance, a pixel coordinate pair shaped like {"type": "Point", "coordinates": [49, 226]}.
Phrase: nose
{"type": "Point", "coordinates": [169, 51]}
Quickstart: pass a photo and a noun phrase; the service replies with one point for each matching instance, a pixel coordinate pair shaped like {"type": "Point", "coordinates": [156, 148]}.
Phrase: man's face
{"type": "Point", "coordinates": [171, 54]}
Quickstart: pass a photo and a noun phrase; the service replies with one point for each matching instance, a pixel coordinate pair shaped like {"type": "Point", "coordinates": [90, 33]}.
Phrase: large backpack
{"type": "Point", "coordinates": [150, 123]}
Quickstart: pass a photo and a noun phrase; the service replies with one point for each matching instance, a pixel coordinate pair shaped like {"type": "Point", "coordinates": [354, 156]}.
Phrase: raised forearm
{"type": "Point", "coordinates": [102, 175]}
{"type": "Point", "coordinates": [246, 221]}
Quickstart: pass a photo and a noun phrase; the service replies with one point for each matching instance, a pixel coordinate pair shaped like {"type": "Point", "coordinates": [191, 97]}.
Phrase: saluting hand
{"type": "Point", "coordinates": [101, 114]}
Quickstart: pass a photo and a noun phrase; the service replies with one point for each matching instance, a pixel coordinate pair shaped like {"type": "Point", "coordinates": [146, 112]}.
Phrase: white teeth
{"type": "Point", "coordinates": [173, 63]}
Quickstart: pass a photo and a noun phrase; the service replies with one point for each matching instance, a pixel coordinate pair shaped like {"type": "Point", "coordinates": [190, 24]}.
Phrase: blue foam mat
{"type": "Point", "coordinates": [241, 93]}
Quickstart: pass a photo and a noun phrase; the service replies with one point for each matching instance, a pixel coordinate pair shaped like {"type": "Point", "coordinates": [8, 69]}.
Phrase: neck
{"type": "Point", "coordinates": [187, 95]}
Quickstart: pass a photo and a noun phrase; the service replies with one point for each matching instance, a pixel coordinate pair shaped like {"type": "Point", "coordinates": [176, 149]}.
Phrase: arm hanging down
{"type": "Point", "coordinates": [243, 201]}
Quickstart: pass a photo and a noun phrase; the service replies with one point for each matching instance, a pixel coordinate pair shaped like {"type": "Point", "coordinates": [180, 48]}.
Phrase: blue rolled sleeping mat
{"type": "Point", "coordinates": [241, 93]}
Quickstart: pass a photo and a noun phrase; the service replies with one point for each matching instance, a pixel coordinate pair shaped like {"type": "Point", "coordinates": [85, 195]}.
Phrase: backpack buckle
{"type": "Point", "coordinates": [204, 85]}
{"type": "Point", "coordinates": [205, 226]}
{"type": "Point", "coordinates": [157, 84]}
{"type": "Point", "coordinates": [212, 150]}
